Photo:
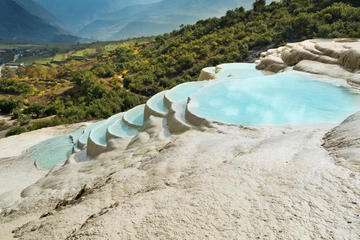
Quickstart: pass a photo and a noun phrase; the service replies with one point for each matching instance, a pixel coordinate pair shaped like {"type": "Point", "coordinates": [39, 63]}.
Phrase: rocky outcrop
{"type": "Point", "coordinates": [343, 142]}
{"type": "Point", "coordinates": [207, 73]}
{"type": "Point", "coordinates": [338, 58]}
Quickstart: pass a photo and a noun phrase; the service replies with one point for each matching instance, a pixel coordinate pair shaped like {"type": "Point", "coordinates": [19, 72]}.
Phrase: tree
{"type": "Point", "coordinates": [185, 62]}
{"type": "Point", "coordinates": [103, 71]}
{"type": "Point", "coordinates": [89, 84]}
{"type": "Point", "coordinates": [259, 5]}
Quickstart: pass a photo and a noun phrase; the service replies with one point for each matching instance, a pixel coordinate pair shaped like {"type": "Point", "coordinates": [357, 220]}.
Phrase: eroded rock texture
{"type": "Point", "coordinates": [338, 58]}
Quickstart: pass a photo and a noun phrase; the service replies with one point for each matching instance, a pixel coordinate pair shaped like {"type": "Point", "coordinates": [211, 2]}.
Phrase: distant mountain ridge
{"type": "Point", "coordinates": [119, 19]}
{"type": "Point", "coordinates": [19, 21]}
{"type": "Point", "coordinates": [168, 15]}
{"type": "Point", "coordinates": [76, 14]}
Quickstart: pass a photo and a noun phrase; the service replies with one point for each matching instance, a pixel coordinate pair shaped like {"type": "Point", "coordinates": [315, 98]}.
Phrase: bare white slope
{"type": "Point", "coordinates": [224, 183]}
{"type": "Point", "coordinates": [17, 170]}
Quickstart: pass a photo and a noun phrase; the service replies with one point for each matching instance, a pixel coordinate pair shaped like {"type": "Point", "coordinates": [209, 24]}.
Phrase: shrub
{"type": "Point", "coordinates": [24, 119]}
{"type": "Point", "coordinates": [41, 124]}
{"type": "Point", "coordinates": [7, 105]}
{"type": "Point", "coordinates": [15, 131]}
{"type": "Point", "coordinates": [103, 71]}
{"type": "Point", "coordinates": [11, 86]}
{"type": "Point", "coordinates": [185, 62]}
{"type": "Point", "coordinates": [2, 125]}
{"type": "Point", "coordinates": [35, 109]}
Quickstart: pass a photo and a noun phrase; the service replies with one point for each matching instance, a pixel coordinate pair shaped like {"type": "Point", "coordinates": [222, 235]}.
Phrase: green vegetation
{"type": "Point", "coordinates": [12, 86]}
{"type": "Point", "coordinates": [97, 80]}
{"type": "Point", "coordinates": [15, 131]}
{"type": "Point", "coordinates": [7, 105]}
{"type": "Point", "coordinates": [2, 125]}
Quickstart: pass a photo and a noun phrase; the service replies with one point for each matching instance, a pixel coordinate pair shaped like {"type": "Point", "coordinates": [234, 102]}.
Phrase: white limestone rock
{"type": "Point", "coordinates": [316, 67]}
{"type": "Point", "coordinates": [343, 142]}
{"type": "Point", "coordinates": [339, 58]}
{"type": "Point", "coordinates": [297, 54]}
{"type": "Point", "coordinates": [271, 63]}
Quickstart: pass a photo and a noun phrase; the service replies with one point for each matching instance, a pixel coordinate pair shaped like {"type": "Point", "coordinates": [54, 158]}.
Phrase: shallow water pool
{"type": "Point", "coordinates": [281, 99]}
{"type": "Point", "coordinates": [120, 129]}
{"type": "Point", "coordinates": [157, 103]}
{"type": "Point", "coordinates": [135, 115]}
{"type": "Point", "coordinates": [183, 91]}
{"type": "Point", "coordinates": [52, 152]}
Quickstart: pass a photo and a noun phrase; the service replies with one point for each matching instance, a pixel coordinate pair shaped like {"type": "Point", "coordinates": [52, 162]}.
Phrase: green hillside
{"type": "Point", "coordinates": [109, 80]}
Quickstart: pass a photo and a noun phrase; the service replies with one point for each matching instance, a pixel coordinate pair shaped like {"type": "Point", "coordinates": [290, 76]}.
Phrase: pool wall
{"type": "Point", "coordinates": [208, 73]}
{"type": "Point", "coordinates": [176, 121]}
{"type": "Point", "coordinates": [82, 142]}
{"type": "Point", "coordinates": [193, 118]}
{"type": "Point", "coordinates": [94, 149]}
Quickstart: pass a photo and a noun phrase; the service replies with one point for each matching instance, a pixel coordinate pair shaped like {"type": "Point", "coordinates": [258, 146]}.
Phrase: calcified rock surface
{"type": "Point", "coordinates": [338, 58]}
{"type": "Point", "coordinates": [17, 170]}
{"type": "Point", "coordinates": [343, 142]}
{"type": "Point", "coordinates": [226, 182]}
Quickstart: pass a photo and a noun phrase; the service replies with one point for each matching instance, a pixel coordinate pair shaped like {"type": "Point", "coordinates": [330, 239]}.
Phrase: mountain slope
{"type": "Point", "coordinates": [18, 24]}
{"type": "Point", "coordinates": [114, 19]}
{"type": "Point", "coordinates": [136, 29]}
{"type": "Point", "coordinates": [77, 14]}
{"type": "Point", "coordinates": [37, 10]}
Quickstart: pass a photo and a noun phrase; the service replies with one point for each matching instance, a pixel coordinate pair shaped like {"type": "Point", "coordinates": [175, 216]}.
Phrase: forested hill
{"type": "Point", "coordinates": [112, 81]}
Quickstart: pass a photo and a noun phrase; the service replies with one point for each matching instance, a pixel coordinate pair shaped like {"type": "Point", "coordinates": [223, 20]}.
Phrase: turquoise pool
{"type": "Point", "coordinates": [135, 116]}
{"type": "Point", "coordinates": [98, 134]}
{"type": "Point", "coordinates": [52, 152]}
{"type": "Point", "coordinates": [183, 91]}
{"type": "Point", "coordinates": [157, 103]}
{"type": "Point", "coordinates": [84, 137]}
{"type": "Point", "coordinates": [120, 129]}
{"type": "Point", "coordinates": [281, 99]}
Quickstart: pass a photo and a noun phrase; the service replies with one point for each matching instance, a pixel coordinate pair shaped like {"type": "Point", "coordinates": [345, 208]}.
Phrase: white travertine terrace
{"type": "Point", "coordinates": [207, 73]}
{"type": "Point", "coordinates": [313, 56]}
